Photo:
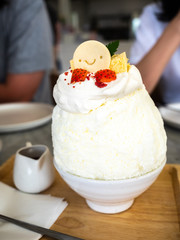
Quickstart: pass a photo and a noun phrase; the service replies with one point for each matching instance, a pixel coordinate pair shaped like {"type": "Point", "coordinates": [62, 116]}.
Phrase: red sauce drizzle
{"type": "Point", "coordinates": [100, 84]}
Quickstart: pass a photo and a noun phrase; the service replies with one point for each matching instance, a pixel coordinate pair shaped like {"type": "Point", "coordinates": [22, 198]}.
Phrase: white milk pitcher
{"type": "Point", "coordinates": [33, 168]}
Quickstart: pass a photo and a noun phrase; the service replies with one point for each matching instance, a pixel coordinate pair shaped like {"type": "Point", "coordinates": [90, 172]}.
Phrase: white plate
{"type": "Point", "coordinates": [171, 114]}
{"type": "Point", "coordinates": [21, 116]}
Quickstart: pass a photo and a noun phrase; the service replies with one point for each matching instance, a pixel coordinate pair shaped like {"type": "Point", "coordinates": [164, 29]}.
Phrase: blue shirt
{"type": "Point", "coordinates": [26, 43]}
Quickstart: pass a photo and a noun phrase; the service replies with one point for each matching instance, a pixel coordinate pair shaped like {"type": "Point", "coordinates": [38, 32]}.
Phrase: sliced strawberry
{"type": "Point", "coordinates": [78, 75]}
{"type": "Point", "coordinates": [105, 75]}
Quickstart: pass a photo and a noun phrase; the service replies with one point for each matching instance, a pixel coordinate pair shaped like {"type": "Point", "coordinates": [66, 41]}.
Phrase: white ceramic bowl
{"type": "Point", "coordinates": [109, 196]}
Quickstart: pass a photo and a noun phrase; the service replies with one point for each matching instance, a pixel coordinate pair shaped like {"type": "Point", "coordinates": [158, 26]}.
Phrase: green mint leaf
{"type": "Point", "coordinates": [113, 46]}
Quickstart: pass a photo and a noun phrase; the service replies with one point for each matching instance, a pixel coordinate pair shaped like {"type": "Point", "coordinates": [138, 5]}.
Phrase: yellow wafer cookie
{"type": "Point", "coordinates": [119, 63]}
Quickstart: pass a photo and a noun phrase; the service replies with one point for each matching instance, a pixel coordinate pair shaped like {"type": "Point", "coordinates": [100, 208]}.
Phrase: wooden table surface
{"type": "Point", "coordinates": [154, 215]}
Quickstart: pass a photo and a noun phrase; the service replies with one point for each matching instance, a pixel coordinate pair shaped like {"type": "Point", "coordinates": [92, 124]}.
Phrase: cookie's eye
{"type": "Point", "coordinates": [101, 57]}
{"type": "Point", "coordinates": [79, 60]}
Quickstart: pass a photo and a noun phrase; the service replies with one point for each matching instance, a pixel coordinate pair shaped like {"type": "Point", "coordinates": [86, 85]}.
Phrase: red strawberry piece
{"type": "Point", "coordinates": [78, 75]}
{"type": "Point", "coordinates": [105, 75]}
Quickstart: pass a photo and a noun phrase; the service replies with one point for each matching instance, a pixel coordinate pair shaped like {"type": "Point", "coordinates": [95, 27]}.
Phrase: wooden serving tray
{"type": "Point", "coordinates": [154, 215]}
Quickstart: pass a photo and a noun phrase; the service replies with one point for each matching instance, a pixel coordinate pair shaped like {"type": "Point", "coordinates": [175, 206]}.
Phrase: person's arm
{"type": "Point", "coordinates": [154, 62]}
{"type": "Point", "coordinates": [20, 87]}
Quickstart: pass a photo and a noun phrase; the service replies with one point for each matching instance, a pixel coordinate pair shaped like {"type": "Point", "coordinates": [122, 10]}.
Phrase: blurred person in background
{"type": "Point", "coordinates": [52, 7]}
{"type": "Point", "coordinates": [156, 50]}
{"type": "Point", "coordinates": [25, 51]}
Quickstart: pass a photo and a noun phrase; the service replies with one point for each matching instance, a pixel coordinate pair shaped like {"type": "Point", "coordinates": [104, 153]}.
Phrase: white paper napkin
{"type": "Point", "coordinates": [38, 209]}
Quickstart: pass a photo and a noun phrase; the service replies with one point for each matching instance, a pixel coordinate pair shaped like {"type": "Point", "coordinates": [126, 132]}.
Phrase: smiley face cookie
{"type": "Point", "coordinates": [91, 56]}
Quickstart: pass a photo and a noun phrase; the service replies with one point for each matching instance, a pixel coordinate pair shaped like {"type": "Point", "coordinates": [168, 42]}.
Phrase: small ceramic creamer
{"type": "Point", "coordinates": [33, 168]}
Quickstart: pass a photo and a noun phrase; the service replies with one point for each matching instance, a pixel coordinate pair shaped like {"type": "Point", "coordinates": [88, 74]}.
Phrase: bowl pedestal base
{"type": "Point", "coordinates": [109, 208]}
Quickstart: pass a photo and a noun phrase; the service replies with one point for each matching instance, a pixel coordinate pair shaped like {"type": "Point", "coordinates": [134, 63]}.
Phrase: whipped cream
{"type": "Point", "coordinates": [82, 97]}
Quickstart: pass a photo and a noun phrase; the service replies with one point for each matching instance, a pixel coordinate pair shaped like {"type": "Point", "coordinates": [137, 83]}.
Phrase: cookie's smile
{"type": "Point", "coordinates": [91, 62]}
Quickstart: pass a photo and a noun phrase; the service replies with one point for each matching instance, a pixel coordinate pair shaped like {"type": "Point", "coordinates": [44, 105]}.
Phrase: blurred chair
{"type": "Point", "coordinates": [53, 79]}
{"type": "Point", "coordinates": [156, 96]}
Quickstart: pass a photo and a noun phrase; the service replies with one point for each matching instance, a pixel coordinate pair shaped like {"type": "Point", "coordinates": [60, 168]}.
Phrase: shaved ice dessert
{"type": "Point", "coordinates": [105, 125]}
